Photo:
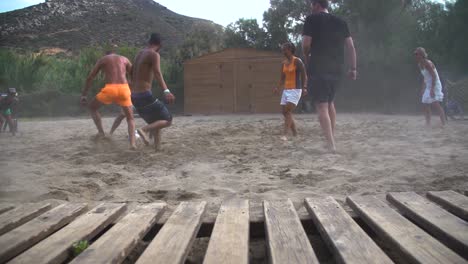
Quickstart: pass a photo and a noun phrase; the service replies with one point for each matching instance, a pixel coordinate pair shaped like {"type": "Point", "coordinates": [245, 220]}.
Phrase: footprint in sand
{"type": "Point", "coordinates": [353, 179]}
{"type": "Point", "coordinates": [56, 195]}
{"type": "Point", "coordinates": [113, 179]}
{"type": "Point", "coordinates": [185, 195]}
{"type": "Point", "coordinates": [157, 194]}
{"type": "Point", "coordinates": [92, 187]}
{"type": "Point", "coordinates": [178, 195]}
{"type": "Point", "coordinates": [184, 175]}
{"type": "Point", "coordinates": [264, 189]}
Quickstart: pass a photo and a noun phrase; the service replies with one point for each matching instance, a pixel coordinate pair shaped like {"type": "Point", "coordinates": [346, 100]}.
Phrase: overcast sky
{"type": "Point", "coordinates": [221, 12]}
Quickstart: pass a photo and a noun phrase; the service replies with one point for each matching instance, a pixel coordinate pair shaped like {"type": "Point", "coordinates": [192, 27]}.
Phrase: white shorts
{"type": "Point", "coordinates": [291, 96]}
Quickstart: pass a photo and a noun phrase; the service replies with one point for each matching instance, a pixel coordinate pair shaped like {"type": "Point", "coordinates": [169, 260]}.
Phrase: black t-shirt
{"type": "Point", "coordinates": [328, 34]}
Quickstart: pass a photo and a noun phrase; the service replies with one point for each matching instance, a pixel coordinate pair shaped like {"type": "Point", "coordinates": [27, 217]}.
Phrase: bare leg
{"type": "Point", "coordinates": [2, 120]}
{"type": "Point", "coordinates": [157, 139]}
{"type": "Point", "coordinates": [441, 111]}
{"type": "Point", "coordinates": [292, 124]}
{"type": "Point", "coordinates": [332, 113]}
{"type": "Point", "coordinates": [286, 125]}
{"type": "Point", "coordinates": [144, 131]}
{"type": "Point", "coordinates": [127, 110]}
{"type": "Point", "coordinates": [325, 123]}
{"type": "Point", "coordinates": [427, 114]}
{"type": "Point", "coordinates": [93, 108]}
{"type": "Point", "coordinates": [117, 122]}
{"type": "Point", "coordinates": [11, 124]}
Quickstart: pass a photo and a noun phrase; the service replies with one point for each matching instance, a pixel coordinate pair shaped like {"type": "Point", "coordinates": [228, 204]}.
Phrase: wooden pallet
{"type": "Point", "coordinates": [419, 230]}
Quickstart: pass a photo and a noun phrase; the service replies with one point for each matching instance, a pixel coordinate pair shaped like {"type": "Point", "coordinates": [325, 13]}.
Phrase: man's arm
{"type": "Point", "coordinates": [128, 68]}
{"type": "Point", "coordinates": [160, 79]}
{"type": "Point", "coordinates": [91, 77]}
{"type": "Point", "coordinates": [306, 44]}
{"type": "Point", "coordinates": [301, 67]}
{"type": "Point", "coordinates": [351, 52]}
{"type": "Point", "coordinates": [157, 71]}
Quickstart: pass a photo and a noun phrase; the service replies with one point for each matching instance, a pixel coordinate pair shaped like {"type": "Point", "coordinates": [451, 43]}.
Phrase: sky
{"type": "Point", "coordinates": [221, 12]}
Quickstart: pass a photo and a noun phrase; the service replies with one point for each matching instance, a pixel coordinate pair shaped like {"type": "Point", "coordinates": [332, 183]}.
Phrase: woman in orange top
{"type": "Point", "coordinates": [294, 84]}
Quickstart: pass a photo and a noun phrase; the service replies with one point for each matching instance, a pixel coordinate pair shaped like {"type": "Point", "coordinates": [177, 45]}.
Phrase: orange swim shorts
{"type": "Point", "coordinates": [115, 93]}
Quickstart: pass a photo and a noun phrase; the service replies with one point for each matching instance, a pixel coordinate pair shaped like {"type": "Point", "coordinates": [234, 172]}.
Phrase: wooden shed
{"type": "Point", "coordinates": [232, 81]}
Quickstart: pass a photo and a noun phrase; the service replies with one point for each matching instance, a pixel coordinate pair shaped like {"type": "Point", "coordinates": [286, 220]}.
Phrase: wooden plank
{"type": "Point", "coordinates": [445, 226]}
{"type": "Point", "coordinates": [405, 237]}
{"type": "Point", "coordinates": [5, 208]}
{"type": "Point", "coordinates": [117, 243]}
{"type": "Point", "coordinates": [173, 242]}
{"type": "Point", "coordinates": [348, 242]}
{"type": "Point", "coordinates": [454, 202]}
{"type": "Point", "coordinates": [286, 238]}
{"type": "Point", "coordinates": [27, 235]}
{"type": "Point", "coordinates": [21, 215]}
{"type": "Point", "coordinates": [229, 242]}
{"type": "Point", "coordinates": [55, 249]}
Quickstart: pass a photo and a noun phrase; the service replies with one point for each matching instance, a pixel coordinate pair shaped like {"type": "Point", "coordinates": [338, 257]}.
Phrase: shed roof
{"type": "Point", "coordinates": [235, 54]}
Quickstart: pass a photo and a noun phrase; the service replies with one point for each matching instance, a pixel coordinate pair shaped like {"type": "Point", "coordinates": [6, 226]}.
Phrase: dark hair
{"type": "Point", "coordinates": [155, 39]}
{"type": "Point", "coordinates": [322, 3]}
{"type": "Point", "coordinates": [290, 46]}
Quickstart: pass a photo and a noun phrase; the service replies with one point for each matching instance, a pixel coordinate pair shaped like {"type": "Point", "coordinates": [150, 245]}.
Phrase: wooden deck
{"type": "Point", "coordinates": [416, 228]}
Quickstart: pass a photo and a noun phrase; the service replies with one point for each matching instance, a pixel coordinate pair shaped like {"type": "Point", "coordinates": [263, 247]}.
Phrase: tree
{"type": "Point", "coordinates": [245, 33]}
{"type": "Point", "coordinates": [457, 35]}
{"type": "Point", "coordinates": [283, 21]}
{"type": "Point", "coordinates": [199, 42]}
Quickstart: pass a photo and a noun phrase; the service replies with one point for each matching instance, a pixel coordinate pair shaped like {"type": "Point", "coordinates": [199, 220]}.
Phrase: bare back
{"type": "Point", "coordinates": [143, 70]}
{"type": "Point", "coordinates": [115, 68]}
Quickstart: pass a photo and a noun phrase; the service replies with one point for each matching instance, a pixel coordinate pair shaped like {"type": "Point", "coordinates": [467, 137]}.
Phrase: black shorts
{"type": "Point", "coordinates": [150, 108]}
{"type": "Point", "coordinates": [322, 89]}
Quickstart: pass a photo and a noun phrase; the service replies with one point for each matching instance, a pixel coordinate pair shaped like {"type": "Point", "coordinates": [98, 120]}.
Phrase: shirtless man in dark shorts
{"type": "Point", "coordinates": [146, 67]}
{"type": "Point", "coordinates": [117, 90]}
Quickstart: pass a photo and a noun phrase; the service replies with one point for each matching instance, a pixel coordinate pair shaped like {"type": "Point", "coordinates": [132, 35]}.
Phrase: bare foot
{"type": "Point", "coordinates": [157, 147]}
{"type": "Point", "coordinates": [133, 147]}
{"type": "Point", "coordinates": [99, 136]}
{"type": "Point", "coordinates": [144, 136]}
{"type": "Point", "coordinates": [329, 148]}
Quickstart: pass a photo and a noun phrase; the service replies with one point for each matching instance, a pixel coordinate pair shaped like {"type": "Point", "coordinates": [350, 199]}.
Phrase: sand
{"type": "Point", "coordinates": [213, 158]}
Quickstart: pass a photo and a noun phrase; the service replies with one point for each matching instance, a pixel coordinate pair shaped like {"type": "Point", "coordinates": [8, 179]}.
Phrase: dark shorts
{"type": "Point", "coordinates": [322, 89]}
{"type": "Point", "coordinates": [150, 108]}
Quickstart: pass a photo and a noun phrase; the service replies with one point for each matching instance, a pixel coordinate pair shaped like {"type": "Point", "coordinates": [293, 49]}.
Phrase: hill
{"type": "Point", "coordinates": [73, 24]}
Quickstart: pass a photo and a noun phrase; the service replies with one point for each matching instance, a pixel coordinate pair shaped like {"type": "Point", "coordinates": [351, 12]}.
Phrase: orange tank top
{"type": "Point", "coordinates": [292, 75]}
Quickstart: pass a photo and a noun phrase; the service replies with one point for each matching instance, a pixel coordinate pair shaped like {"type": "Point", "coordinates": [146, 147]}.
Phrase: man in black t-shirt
{"type": "Point", "coordinates": [323, 41]}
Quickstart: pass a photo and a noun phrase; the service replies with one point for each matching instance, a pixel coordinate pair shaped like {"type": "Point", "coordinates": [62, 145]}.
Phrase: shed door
{"type": "Point", "coordinates": [226, 99]}
{"type": "Point", "coordinates": [244, 88]}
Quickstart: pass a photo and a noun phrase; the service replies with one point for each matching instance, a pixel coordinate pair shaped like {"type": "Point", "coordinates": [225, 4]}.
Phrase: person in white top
{"type": "Point", "coordinates": [431, 91]}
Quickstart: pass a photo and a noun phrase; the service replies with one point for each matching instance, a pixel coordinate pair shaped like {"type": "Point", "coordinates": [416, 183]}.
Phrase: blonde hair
{"type": "Point", "coordinates": [422, 51]}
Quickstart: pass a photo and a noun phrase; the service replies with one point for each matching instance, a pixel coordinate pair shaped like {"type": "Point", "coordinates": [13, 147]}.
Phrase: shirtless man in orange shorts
{"type": "Point", "coordinates": [116, 90]}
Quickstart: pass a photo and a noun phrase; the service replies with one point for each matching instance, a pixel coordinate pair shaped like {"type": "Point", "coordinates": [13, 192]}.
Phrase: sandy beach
{"type": "Point", "coordinates": [213, 158]}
